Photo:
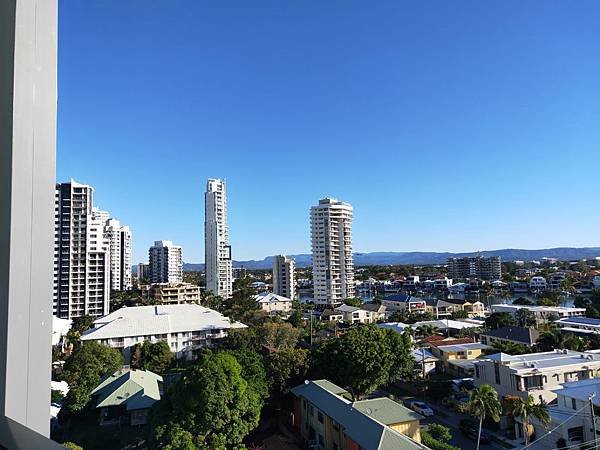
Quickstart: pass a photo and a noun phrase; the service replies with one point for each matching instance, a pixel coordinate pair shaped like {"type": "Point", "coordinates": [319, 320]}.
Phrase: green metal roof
{"type": "Point", "coordinates": [363, 429]}
{"type": "Point", "coordinates": [136, 389]}
{"type": "Point", "coordinates": [386, 411]}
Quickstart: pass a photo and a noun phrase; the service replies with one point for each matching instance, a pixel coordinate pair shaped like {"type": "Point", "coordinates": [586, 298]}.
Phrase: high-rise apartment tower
{"type": "Point", "coordinates": [217, 251]}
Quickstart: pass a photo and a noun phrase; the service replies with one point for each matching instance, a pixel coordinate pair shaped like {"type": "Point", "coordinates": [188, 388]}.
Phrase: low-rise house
{"type": "Point", "coordinates": [570, 417]}
{"type": "Point", "coordinates": [353, 314]}
{"type": "Point", "coordinates": [457, 359]}
{"type": "Point", "coordinates": [171, 293]}
{"type": "Point", "coordinates": [581, 326]}
{"type": "Point", "coordinates": [331, 315]}
{"type": "Point", "coordinates": [326, 418]}
{"type": "Point", "coordinates": [449, 325]}
{"type": "Point", "coordinates": [377, 311]}
{"type": "Point", "coordinates": [446, 307]}
{"type": "Point", "coordinates": [401, 302]}
{"type": "Point", "coordinates": [542, 313]}
{"type": "Point", "coordinates": [127, 396]}
{"type": "Point", "coordinates": [273, 303]}
{"type": "Point", "coordinates": [425, 362]}
{"type": "Point", "coordinates": [186, 328]}
{"type": "Point", "coordinates": [514, 335]}
{"type": "Point", "coordinates": [536, 374]}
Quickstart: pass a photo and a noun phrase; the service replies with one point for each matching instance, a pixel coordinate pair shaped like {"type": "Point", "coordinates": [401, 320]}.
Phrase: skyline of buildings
{"type": "Point", "coordinates": [331, 241]}
{"type": "Point", "coordinates": [475, 267]}
{"type": "Point", "coordinates": [217, 250]}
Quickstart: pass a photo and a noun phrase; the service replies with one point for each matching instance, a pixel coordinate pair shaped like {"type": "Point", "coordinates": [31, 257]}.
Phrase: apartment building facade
{"type": "Point", "coordinates": [536, 374]}
{"type": "Point", "coordinates": [166, 262]}
{"type": "Point", "coordinates": [331, 238]}
{"type": "Point", "coordinates": [475, 267]}
{"type": "Point", "coordinates": [284, 281]}
{"type": "Point", "coordinates": [217, 250]}
{"type": "Point", "coordinates": [171, 293]}
{"type": "Point", "coordinates": [81, 254]}
{"type": "Point", "coordinates": [120, 248]}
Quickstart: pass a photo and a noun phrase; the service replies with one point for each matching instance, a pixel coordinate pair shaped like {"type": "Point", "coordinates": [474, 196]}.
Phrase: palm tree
{"type": "Point", "coordinates": [483, 403]}
{"type": "Point", "coordinates": [525, 409]}
{"type": "Point", "coordinates": [426, 330]}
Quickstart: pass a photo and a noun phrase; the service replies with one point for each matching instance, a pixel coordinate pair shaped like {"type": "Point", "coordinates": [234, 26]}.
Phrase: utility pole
{"type": "Point", "coordinates": [593, 420]}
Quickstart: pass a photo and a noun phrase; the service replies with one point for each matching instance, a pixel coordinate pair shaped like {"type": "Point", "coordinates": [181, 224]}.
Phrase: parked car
{"type": "Point", "coordinates": [471, 429]}
{"type": "Point", "coordinates": [422, 408]}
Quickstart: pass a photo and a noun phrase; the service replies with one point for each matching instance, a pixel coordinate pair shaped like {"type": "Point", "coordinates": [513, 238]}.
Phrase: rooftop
{"type": "Point", "coordinates": [462, 347]}
{"type": "Point", "coordinates": [547, 360]}
{"type": "Point", "coordinates": [582, 390]}
{"type": "Point", "coordinates": [545, 309]}
{"type": "Point", "coordinates": [159, 319]}
{"type": "Point", "coordinates": [137, 389]}
{"type": "Point", "coordinates": [386, 411]}
{"type": "Point", "coordinates": [580, 321]}
{"type": "Point", "coordinates": [528, 336]}
{"type": "Point", "coordinates": [269, 297]}
{"type": "Point", "coordinates": [364, 429]}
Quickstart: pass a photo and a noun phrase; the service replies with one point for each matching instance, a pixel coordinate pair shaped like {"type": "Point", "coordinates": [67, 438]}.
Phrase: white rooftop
{"type": "Point", "coordinates": [159, 319]}
{"type": "Point", "coordinates": [582, 390]}
{"type": "Point", "coordinates": [462, 347]}
{"type": "Point", "coordinates": [449, 323]}
{"type": "Point", "coordinates": [545, 309]}
{"type": "Point", "coordinates": [269, 297]}
{"type": "Point", "coordinates": [548, 360]}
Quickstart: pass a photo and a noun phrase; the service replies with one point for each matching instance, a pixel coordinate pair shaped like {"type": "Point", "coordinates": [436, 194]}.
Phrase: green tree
{"type": "Point", "coordinates": [353, 301]}
{"type": "Point", "coordinates": [556, 339]}
{"type": "Point", "coordinates": [523, 301]}
{"type": "Point", "coordinates": [153, 356]}
{"type": "Point", "coordinates": [278, 335]}
{"type": "Point", "coordinates": [296, 317]}
{"type": "Point", "coordinates": [525, 409]}
{"type": "Point", "coordinates": [212, 406]}
{"type": "Point", "coordinates": [548, 301]}
{"type": "Point", "coordinates": [242, 339]}
{"type": "Point", "coordinates": [212, 301]}
{"type": "Point", "coordinates": [426, 330]}
{"type": "Point", "coordinates": [499, 320]}
{"type": "Point", "coordinates": [483, 403]}
{"type": "Point", "coordinates": [525, 318]}
{"type": "Point", "coordinates": [85, 368]}
{"type": "Point", "coordinates": [243, 301]}
{"type": "Point", "coordinates": [592, 312]}
{"type": "Point", "coordinates": [511, 348]}
{"type": "Point", "coordinates": [460, 314]}
{"type": "Point", "coordinates": [439, 432]}
{"type": "Point", "coordinates": [286, 368]}
{"type": "Point", "coordinates": [78, 327]}
{"type": "Point", "coordinates": [72, 446]}
{"type": "Point", "coordinates": [364, 358]}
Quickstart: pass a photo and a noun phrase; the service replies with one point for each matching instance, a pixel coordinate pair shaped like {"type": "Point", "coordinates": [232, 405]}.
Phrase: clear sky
{"type": "Point", "coordinates": [449, 125]}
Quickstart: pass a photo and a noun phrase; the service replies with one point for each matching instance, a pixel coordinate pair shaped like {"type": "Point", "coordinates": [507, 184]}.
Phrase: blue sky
{"type": "Point", "coordinates": [449, 125]}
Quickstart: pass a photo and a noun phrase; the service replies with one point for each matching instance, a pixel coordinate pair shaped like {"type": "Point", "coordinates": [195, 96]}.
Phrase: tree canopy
{"type": "Point", "coordinates": [212, 406]}
{"type": "Point", "coordinates": [153, 356]}
{"type": "Point", "coordinates": [85, 368]}
{"type": "Point", "coordinates": [500, 319]}
{"type": "Point", "coordinates": [365, 358]}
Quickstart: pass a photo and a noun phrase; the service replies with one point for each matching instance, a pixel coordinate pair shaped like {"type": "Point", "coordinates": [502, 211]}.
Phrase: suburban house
{"type": "Point", "coordinates": [353, 314]}
{"type": "Point", "coordinates": [542, 313]}
{"type": "Point", "coordinates": [185, 327]}
{"type": "Point", "coordinates": [126, 396]}
{"type": "Point", "coordinates": [425, 362]}
{"type": "Point", "coordinates": [570, 417]}
{"type": "Point", "coordinates": [377, 311]}
{"type": "Point", "coordinates": [327, 419]}
{"type": "Point", "coordinates": [457, 359]}
{"type": "Point", "coordinates": [273, 303]}
{"type": "Point", "coordinates": [537, 284]}
{"type": "Point", "coordinates": [401, 302]}
{"type": "Point", "coordinates": [446, 307]}
{"type": "Point", "coordinates": [579, 325]}
{"type": "Point", "coordinates": [536, 374]}
{"type": "Point", "coordinates": [513, 335]}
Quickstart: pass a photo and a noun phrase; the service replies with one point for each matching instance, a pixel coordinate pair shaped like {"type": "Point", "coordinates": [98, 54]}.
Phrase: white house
{"type": "Point", "coordinates": [538, 284]}
{"type": "Point", "coordinates": [352, 314]}
{"type": "Point", "coordinates": [542, 313]}
{"type": "Point", "coordinates": [273, 303]}
{"type": "Point", "coordinates": [185, 327]}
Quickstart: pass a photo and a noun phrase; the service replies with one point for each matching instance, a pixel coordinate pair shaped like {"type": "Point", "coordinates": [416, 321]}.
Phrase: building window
{"type": "Point", "coordinates": [320, 417]}
{"type": "Point", "coordinates": [575, 434]}
{"type": "Point", "coordinates": [573, 403]}
{"type": "Point", "coordinates": [304, 404]}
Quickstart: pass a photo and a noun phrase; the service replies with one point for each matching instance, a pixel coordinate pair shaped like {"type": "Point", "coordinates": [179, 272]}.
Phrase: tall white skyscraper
{"type": "Point", "coordinates": [166, 262]}
{"type": "Point", "coordinates": [284, 282]}
{"type": "Point", "coordinates": [217, 251]}
{"type": "Point", "coordinates": [81, 254]}
{"type": "Point", "coordinates": [119, 241]}
{"type": "Point", "coordinates": [331, 237]}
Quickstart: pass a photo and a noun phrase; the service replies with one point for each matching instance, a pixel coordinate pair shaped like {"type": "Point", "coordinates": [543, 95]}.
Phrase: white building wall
{"type": "Point", "coordinates": [166, 262]}
{"type": "Point", "coordinates": [217, 250]}
{"type": "Point", "coordinates": [331, 236]}
{"type": "Point", "coordinates": [284, 282]}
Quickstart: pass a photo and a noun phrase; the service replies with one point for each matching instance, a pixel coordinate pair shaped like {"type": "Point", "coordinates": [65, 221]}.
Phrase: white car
{"type": "Point", "coordinates": [422, 408]}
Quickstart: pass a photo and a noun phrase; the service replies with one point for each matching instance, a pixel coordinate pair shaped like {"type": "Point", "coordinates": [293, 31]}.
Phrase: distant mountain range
{"type": "Point", "coordinates": [384, 258]}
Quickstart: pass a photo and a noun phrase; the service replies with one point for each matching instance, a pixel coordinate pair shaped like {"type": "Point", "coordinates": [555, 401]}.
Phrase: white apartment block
{"type": "Point", "coordinates": [217, 251]}
{"type": "Point", "coordinates": [166, 262]}
{"type": "Point", "coordinates": [331, 237]}
{"type": "Point", "coordinates": [171, 293]}
{"type": "Point", "coordinates": [143, 272]}
{"type": "Point", "coordinates": [119, 241]}
{"type": "Point", "coordinates": [187, 328]}
{"type": "Point", "coordinates": [536, 374]}
{"type": "Point", "coordinates": [81, 254]}
{"type": "Point", "coordinates": [284, 282]}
